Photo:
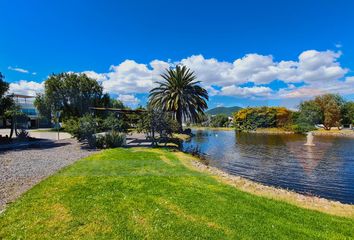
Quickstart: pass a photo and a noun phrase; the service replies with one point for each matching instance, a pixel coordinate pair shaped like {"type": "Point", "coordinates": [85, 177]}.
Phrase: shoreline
{"type": "Point", "coordinates": [276, 131]}
{"type": "Point", "coordinates": [320, 204]}
{"type": "Point", "coordinates": [214, 128]}
{"type": "Point", "coordinates": [335, 133]}
{"type": "Point", "coordinates": [271, 131]}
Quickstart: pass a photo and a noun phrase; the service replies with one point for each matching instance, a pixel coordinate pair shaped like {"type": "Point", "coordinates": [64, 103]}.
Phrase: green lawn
{"type": "Point", "coordinates": [151, 194]}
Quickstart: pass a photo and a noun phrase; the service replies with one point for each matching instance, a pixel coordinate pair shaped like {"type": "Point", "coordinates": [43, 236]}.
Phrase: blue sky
{"type": "Point", "coordinates": [245, 52]}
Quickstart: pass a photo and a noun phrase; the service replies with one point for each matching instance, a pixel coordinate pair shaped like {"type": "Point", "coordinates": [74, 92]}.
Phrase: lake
{"type": "Point", "coordinates": [325, 170]}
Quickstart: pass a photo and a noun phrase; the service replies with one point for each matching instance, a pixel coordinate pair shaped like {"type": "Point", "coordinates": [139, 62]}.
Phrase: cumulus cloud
{"type": "Point", "coordinates": [128, 99]}
{"type": "Point", "coordinates": [130, 76]}
{"type": "Point", "coordinates": [246, 91]}
{"type": "Point", "coordinates": [24, 87]}
{"type": "Point", "coordinates": [313, 72]}
{"type": "Point", "coordinates": [311, 66]}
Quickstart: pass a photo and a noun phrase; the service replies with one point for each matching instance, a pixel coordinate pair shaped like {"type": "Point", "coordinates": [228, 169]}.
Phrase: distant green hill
{"type": "Point", "coordinates": [223, 110]}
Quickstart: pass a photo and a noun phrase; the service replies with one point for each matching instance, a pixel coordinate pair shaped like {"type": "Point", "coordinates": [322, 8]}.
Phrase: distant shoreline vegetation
{"type": "Point", "coordinates": [324, 112]}
{"type": "Point", "coordinates": [327, 111]}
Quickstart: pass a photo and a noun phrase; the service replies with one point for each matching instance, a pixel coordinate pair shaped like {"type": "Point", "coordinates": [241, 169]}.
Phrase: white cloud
{"type": "Point", "coordinates": [349, 80]}
{"type": "Point", "coordinates": [130, 76]}
{"type": "Point", "coordinates": [100, 77]}
{"type": "Point", "coordinates": [236, 91]}
{"type": "Point", "coordinates": [311, 66]}
{"type": "Point", "coordinates": [319, 71]}
{"type": "Point", "coordinates": [314, 71]}
{"type": "Point", "coordinates": [21, 70]}
{"type": "Point", "coordinates": [128, 99]}
{"type": "Point", "coordinates": [26, 87]}
{"type": "Point", "coordinates": [17, 69]}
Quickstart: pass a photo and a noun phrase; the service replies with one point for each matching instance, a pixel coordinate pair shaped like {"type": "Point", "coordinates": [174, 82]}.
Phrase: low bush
{"type": "Point", "coordinates": [113, 139]}
{"type": "Point", "coordinates": [82, 128]}
{"type": "Point", "coordinates": [72, 126]}
{"type": "Point", "coordinates": [220, 120]}
{"type": "Point", "coordinates": [112, 123]}
{"type": "Point", "coordinates": [100, 141]}
{"type": "Point", "coordinates": [301, 128]}
{"type": "Point", "coordinates": [23, 135]}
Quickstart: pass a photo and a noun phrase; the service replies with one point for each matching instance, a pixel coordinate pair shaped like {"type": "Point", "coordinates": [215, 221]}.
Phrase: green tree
{"type": "Point", "coordinates": [331, 107]}
{"type": "Point", "coordinates": [180, 94]}
{"type": "Point", "coordinates": [114, 103]}
{"type": "Point", "coordinates": [156, 121]}
{"type": "Point", "coordinates": [252, 118]}
{"type": "Point", "coordinates": [219, 120]}
{"type": "Point", "coordinates": [4, 86]}
{"type": "Point", "coordinates": [348, 113]}
{"type": "Point", "coordinates": [309, 113]}
{"type": "Point", "coordinates": [6, 102]}
{"type": "Point", "coordinates": [72, 94]}
{"type": "Point", "coordinates": [113, 123]}
{"type": "Point", "coordinates": [16, 117]}
{"type": "Point", "coordinates": [43, 106]}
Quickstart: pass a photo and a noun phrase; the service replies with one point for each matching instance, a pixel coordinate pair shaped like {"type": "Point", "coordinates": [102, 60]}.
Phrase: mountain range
{"type": "Point", "coordinates": [223, 110]}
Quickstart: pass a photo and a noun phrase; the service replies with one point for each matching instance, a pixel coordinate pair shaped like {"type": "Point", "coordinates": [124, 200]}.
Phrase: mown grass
{"type": "Point", "coordinates": [153, 194]}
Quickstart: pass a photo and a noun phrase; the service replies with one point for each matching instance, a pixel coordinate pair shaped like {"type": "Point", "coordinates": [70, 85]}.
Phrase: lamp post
{"type": "Point", "coordinates": [56, 118]}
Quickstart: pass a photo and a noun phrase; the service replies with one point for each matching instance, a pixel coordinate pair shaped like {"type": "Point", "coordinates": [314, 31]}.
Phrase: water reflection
{"type": "Point", "coordinates": [326, 169]}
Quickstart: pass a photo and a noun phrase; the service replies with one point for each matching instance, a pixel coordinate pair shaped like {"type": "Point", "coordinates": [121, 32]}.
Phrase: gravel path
{"type": "Point", "coordinates": [21, 169]}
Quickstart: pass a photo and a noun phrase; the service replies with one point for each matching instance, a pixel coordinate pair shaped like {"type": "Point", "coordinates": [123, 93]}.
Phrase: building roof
{"type": "Point", "coordinates": [118, 110]}
{"type": "Point", "coordinates": [21, 96]}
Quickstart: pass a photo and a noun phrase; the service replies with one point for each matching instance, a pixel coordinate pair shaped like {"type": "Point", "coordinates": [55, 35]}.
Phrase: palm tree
{"type": "Point", "coordinates": [180, 94]}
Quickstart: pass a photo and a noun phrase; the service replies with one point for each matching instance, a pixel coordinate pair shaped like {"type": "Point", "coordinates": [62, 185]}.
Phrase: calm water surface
{"type": "Point", "coordinates": [325, 170]}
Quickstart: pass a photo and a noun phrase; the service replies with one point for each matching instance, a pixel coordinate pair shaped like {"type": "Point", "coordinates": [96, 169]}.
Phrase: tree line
{"type": "Point", "coordinates": [326, 111]}
{"type": "Point", "coordinates": [177, 98]}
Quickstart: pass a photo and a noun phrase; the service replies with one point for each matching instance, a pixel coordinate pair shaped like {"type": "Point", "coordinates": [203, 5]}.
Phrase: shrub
{"type": "Point", "coordinates": [302, 128]}
{"type": "Point", "coordinates": [157, 121]}
{"type": "Point", "coordinates": [113, 139]}
{"type": "Point", "coordinates": [92, 141]}
{"type": "Point", "coordinates": [100, 141]}
{"type": "Point", "coordinates": [82, 128]}
{"type": "Point", "coordinates": [112, 123]}
{"type": "Point", "coordinates": [219, 120]}
{"type": "Point", "coordinates": [72, 126]}
{"type": "Point", "coordinates": [23, 135]}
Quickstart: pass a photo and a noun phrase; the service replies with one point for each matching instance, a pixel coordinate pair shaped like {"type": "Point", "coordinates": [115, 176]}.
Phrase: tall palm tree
{"type": "Point", "coordinates": [180, 94]}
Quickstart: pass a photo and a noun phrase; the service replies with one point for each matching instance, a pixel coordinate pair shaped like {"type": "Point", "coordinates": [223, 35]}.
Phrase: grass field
{"type": "Point", "coordinates": [153, 194]}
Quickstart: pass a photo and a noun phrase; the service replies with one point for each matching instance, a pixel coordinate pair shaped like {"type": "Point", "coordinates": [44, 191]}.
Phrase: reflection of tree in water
{"type": "Point", "coordinates": [265, 139]}
{"type": "Point", "coordinates": [201, 136]}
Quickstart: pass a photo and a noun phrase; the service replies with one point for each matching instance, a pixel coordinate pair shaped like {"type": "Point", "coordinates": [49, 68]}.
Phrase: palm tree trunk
{"type": "Point", "coordinates": [179, 120]}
